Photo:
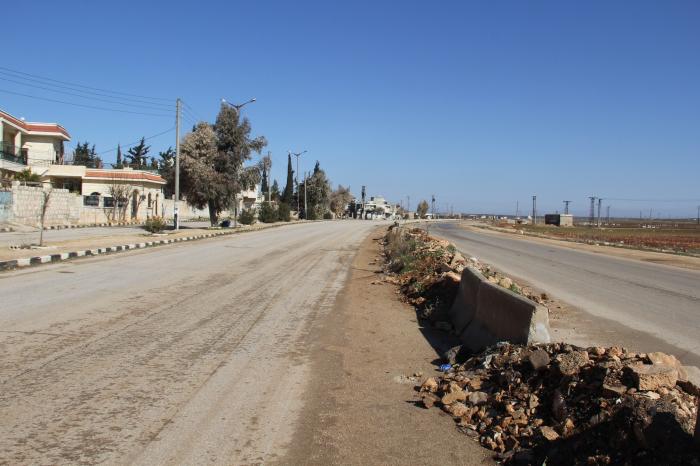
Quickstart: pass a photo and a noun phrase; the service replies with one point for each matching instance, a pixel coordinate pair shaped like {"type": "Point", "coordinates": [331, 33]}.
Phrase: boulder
{"type": "Point", "coordinates": [449, 398]}
{"type": "Point", "coordinates": [668, 360]}
{"type": "Point", "coordinates": [505, 282]}
{"type": "Point", "coordinates": [652, 376]}
{"type": "Point", "coordinates": [539, 359]}
{"type": "Point", "coordinates": [570, 363]}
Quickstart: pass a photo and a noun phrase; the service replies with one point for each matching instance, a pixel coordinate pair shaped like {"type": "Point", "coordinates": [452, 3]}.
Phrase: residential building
{"type": "Point", "coordinates": [99, 186]}
{"type": "Point", "coordinates": [29, 144]}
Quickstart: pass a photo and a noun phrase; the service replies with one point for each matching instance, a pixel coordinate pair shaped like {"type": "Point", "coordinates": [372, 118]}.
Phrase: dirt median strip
{"type": "Point", "coordinates": [64, 255]}
{"type": "Point", "coordinates": [360, 408]}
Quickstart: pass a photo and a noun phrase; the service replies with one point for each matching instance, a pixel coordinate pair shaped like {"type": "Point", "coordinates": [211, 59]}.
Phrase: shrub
{"type": "Point", "coordinates": [247, 216]}
{"type": "Point", "coordinates": [311, 214]}
{"type": "Point", "coordinates": [268, 213]}
{"type": "Point", "coordinates": [328, 216]}
{"type": "Point", "coordinates": [284, 213]}
{"type": "Point", "coordinates": [155, 224]}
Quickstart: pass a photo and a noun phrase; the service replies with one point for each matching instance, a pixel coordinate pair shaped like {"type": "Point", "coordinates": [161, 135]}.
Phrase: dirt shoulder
{"type": "Point", "coordinates": [676, 260]}
{"type": "Point", "coordinates": [360, 407]}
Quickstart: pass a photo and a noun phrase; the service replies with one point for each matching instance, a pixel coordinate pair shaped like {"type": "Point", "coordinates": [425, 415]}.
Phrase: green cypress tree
{"type": "Point", "coordinates": [288, 194]}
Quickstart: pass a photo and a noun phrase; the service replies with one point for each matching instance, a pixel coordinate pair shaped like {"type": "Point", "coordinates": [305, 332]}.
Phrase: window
{"type": "Point", "coordinates": [92, 200]}
{"type": "Point", "coordinates": [109, 202]}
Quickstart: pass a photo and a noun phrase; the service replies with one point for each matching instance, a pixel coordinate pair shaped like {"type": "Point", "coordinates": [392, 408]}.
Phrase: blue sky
{"type": "Point", "coordinates": [481, 103]}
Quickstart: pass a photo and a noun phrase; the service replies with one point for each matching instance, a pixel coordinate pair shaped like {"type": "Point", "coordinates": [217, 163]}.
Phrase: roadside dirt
{"type": "Point", "coordinates": [677, 260]}
{"type": "Point", "coordinates": [361, 405]}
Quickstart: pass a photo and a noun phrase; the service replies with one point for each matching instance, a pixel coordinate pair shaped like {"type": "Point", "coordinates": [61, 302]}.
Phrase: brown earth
{"type": "Point", "coordinates": [361, 406]}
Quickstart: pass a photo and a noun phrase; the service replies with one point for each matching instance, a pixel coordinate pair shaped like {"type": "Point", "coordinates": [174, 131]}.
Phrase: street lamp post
{"type": "Point", "coordinates": [238, 108]}
{"type": "Point", "coordinates": [296, 177]}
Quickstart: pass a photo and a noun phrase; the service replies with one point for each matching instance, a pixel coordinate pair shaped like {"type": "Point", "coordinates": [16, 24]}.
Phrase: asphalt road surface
{"type": "Point", "coordinates": [188, 354]}
{"type": "Point", "coordinates": [657, 300]}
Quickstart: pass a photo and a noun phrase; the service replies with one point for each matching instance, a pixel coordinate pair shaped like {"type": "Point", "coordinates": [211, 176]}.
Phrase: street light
{"type": "Point", "coordinates": [296, 177]}
{"type": "Point", "coordinates": [238, 108]}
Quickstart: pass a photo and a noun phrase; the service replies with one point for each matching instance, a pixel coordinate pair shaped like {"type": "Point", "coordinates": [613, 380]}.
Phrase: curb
{"type": "Point", "coordinates": [52, 258]}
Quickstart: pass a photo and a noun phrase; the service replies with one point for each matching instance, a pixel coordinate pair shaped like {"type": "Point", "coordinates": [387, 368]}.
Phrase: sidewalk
{"type": "Point", "coordinates": [69, 249]}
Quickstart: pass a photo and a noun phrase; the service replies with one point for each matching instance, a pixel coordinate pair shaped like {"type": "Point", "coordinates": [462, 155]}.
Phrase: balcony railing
{"type": "Point", "coordinates": [11, 153]}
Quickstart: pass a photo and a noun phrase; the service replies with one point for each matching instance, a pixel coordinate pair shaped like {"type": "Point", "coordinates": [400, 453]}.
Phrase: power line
{"type": "Point", "coordinates": [191, 110]}
{"type": "Point", "coordinates": [84, 105]}
{"type": "Point", "coordinates": [81, 85]}
{"type": "Point", "coordinates": [130, 145]}
{"type": "Point", "coordinates": [651, 200]}
{"type": "Point", "coordinates": [84, 97]}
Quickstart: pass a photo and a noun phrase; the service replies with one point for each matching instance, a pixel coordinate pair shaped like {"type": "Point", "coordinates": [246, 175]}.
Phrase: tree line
{"type": "Point", "coordinates": [213, 172]}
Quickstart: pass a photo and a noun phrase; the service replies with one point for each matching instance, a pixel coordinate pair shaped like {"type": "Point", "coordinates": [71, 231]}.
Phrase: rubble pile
{"type": "Point", "coordinates": [428, 271]}
{"type": "Point", "coordinates": [561, 404]}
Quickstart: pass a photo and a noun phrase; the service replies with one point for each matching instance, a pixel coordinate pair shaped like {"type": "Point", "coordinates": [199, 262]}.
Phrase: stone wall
{"type": "Point", "coordinates": [21, 205]}
{"type": "Point", "coordinates": [63, 206]}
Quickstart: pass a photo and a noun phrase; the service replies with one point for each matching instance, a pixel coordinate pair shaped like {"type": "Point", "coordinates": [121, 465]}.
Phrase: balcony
{"type": "Point", "coordinates": [11, 153]}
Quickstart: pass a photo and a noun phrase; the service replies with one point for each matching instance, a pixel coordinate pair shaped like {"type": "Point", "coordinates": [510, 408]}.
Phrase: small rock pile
{"type": "Point", "coordinates": [561, 404]}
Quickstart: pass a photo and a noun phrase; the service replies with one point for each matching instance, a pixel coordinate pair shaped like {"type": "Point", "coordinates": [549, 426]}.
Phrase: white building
{"type": "Point", "coordinates": [29, 144]}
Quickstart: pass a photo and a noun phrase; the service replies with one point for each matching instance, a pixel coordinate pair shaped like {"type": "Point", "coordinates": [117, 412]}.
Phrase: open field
{"type": "Point", "coordinates": [680, 238]}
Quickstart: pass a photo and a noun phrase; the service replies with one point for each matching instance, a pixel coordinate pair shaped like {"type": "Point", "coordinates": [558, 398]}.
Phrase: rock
{"type": "Point", "coordinates": [558, 405]}
{"type": "Point", "coordinates": [430, 385]}
{"type": "Point", "coordinates": [458, 409]}
{"type": "Point", "coordinates": [571, 363]}
{"type": "Point", "coordinates": [429, 399]}
{"type": "Point", "coordinates": [549, 433]}
{"type": "Point", "coordinates": [478, 398]}
{"type": "Point", "coordinates": [668, 360]}
{"type": "Point", "coordinates": [652, 376]}
{"type": "Point", "coordinates": [505, 282]}
{"type": "Point", "coordinates": [457, 259]}
{"type": "Point", "coordinates": [539, 359]}
{"type": "Point", "coordinates": [449, 398]}
{"type": "Point", "coordinates": [450, 356]}
{"type": "Point", "coordinates": [610, 390]}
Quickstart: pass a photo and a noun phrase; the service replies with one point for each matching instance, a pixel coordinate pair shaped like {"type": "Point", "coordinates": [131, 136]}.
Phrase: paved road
{"type": "Point", "coordinates": [194, 353]}
{"type": "Point", "coordinates": [29, 237]}
{"type": "Point", "coordinates": [658, 300]}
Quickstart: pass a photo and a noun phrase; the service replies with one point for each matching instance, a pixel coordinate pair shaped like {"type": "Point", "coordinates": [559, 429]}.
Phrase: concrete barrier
{"type": "Point", "coordinates": [463, 309]}
{"type": "Point", "coordinates": [502, 315]}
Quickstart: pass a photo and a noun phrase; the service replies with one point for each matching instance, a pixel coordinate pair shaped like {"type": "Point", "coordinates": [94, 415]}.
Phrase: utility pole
{"type": "Point", "coordinates": [566, 207]}
{"type": "Point", "coordinates": [269, 191]}
{"type": "Point", "coordinates": [591, 213]}
{"type": "Point", "coordinates": [534, 210]}
{"type": "Point", "coordinates": [607, 215]}
{"type": "Point", "coordinates": [600, 202]}
{"type": "Point", "coordinates": [176, 207]}
{"type": "Point", "coordinates": [296, 177]}
{"type": "Point", "coordinates": [306, 215]}
{"type": "Point", "coordinates": [517, 208]}
{"type": "Point", "coordinates": [699, 215]}
{"type": "Point", "coordinates": [408, 204]}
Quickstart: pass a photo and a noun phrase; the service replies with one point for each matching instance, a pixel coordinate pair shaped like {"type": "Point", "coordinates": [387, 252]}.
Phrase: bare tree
{"type": "Point", "coordinates": [120, 192]}
{"type": "Point", "coordinates": [45, 198]}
